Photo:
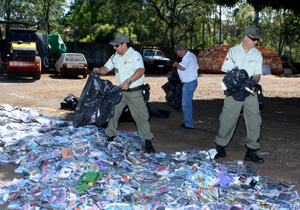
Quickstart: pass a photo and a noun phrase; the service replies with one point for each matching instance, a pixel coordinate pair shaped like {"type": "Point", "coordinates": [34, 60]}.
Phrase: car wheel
{"type": "Point", "coordinates": [56, 73]}
{"type": "Point", "coordinates": [84, 75]}
{"type": "Point", "coordinates": [62, 73]}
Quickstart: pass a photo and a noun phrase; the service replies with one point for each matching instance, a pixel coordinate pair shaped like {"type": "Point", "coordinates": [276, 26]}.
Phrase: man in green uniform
{"type": "Point", "coordinates": [243, 56]}
{"type": "Point", "coordinates": [129, 71]}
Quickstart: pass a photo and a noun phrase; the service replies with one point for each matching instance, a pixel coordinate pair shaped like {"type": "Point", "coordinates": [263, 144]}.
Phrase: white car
{"type": "Point", "coordinates": [71, 63]}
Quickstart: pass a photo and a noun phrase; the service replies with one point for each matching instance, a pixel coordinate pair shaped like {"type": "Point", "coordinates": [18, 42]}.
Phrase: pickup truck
{"type": "Point", "coordinates": [155, 60]}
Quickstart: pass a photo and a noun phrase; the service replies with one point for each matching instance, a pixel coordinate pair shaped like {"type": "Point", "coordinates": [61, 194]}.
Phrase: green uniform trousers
{"type": "Point", "coordinates": [139, 111]}
{"type": "Point", "coordinates": [230, 115]}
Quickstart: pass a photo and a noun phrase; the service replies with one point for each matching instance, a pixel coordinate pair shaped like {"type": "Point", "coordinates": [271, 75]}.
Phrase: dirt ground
{"type": "Point", "coordinates": [280, 133]}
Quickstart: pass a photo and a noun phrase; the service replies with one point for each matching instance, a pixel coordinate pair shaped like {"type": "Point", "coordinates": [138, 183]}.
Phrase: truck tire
{"type": "Point", "coordinates": [84, 75]}
{"type": "Point", "coordinates": [10, 75]}
{"type": "Point", "coordinates": [36, 75]}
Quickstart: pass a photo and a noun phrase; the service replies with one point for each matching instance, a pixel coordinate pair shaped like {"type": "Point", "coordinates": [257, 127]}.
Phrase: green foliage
{"type": "Point", "coordinates": [86, 39]}
{"type": "Point", "coordinates": [291, 29]}
{"type": "Point", "coordinates": [104, 33]}
{"type": "Point", "coordinates": [36, 13]}
{"type": "Point", "coordinates": [195, 23]}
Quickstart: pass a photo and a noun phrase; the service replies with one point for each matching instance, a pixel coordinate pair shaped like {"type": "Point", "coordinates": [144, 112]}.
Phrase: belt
{"type": "Point", "coordinates": [135, 88]}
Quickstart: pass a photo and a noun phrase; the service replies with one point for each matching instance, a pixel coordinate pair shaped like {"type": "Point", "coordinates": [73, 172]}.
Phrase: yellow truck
{"type": "Point", "coordinates": [22, 58]}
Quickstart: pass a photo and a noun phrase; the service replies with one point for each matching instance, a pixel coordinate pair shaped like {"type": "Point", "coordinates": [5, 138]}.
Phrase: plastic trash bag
{"type": "Point", "coordinates": [173, 90]}
{"type": "Point", "coordinates": [158, 112]}
{"type": "Point", "coordinates": [97, 101]}
{"type": "Point", "coordinates": [236, 82]}
{"type": "Point", "coordinates": [126, 114]}
{"type": "Point", "coordinates": [70, 101]}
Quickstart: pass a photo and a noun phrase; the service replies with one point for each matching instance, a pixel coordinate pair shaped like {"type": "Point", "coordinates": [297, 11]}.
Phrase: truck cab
{"type": "Point", "coordinates": [22, 56]}
{"type": "Point", "coordinates": [155, 60]}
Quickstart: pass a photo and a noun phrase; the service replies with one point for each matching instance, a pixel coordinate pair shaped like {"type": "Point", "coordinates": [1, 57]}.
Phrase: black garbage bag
{"type": "Point", "coordinates": [127, 117]}
{"type": "Point", "coordinates": [173, 90]}
{"type": "Point", "coordinates": [97, 102]}
{"type": "Point", "coordinates": [70, 101]}
{"type": "Point", "coordinates": [158, 112]}
{"type": "Point", "coordinates": [236, 82]}
{"type": "Point", "coordinates": [126, 114]}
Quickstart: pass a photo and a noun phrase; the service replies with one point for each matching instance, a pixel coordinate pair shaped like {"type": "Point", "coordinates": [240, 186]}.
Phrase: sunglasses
{"type": "Point", "coordinates": [253, 39]}
{"type": "Point", "coordinates": [117, 45]}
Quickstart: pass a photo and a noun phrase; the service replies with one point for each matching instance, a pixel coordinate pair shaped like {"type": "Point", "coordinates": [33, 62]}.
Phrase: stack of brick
{"type": "Point", "coordinates": [271, 58]}
{"type": "Point", "coordinates": [211, 60]}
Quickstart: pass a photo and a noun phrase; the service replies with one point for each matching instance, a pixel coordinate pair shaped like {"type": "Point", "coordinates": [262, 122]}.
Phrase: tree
{"type": "Point", "coordinates": [89, 15]}
{"type": "Point", "coordinates": [177, 18]}
{"type": "Point", "coordinates": [238, 19]}
{"type": "Point", "coordinates": [291, 28]}
{"type": "Point", "coordinates": [36, 12]}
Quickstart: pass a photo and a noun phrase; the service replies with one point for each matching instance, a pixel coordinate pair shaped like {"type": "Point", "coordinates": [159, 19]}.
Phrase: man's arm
{"type": "Point", "coordinates": [102, 71]}
{"type": "Point", "coordinates": [137, 74]}
{"type": "Point", "coordinates": [178, 66]}
{"type": "Point", "coordinates": [256, 78]}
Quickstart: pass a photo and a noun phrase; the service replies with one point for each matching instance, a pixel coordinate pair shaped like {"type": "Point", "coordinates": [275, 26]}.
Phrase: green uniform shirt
{"type": "Point", "coordinates": [125, 66]}
{"type": "Point", "coordinates": [238, 58]}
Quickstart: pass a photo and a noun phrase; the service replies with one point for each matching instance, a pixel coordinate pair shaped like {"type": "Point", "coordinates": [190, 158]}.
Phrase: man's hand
{"type": "Point", "coordinates": [102, 71]}
{"type": "Point", "coordinates": [178, 66]}
{"type": "Point", "coordinates": [175, 64]}
{"type": "Point", "coordinates": [96, 70]}
{"type": "Point", "coordinates": [125, 85]}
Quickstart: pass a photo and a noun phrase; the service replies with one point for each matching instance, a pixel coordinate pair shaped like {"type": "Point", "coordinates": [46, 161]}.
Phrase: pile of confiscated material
{"type": "Point", "coordinates": [75, 168]}
{"type": "Point", "coordinates": [211, 60]}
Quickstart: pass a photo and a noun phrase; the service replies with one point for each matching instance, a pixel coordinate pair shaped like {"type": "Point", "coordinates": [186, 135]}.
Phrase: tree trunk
{"type": "Point", "coordinates": [203, 26]}
{"type": "Point", "coordinates": [256, 19]}
{"type": "Point", "coordinates": [220, 39]}
{"type": "Point", "coordinates": [7, 28]}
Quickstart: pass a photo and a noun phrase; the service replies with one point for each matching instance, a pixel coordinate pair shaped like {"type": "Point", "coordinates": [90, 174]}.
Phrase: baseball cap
{"type": "Point", "coordinates": [120, 38]}
{"type": "Point", "coordinates": [253, 31]}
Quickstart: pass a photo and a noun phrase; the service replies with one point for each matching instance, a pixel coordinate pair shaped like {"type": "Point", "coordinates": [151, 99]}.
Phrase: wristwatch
{"type": "Point", "coordinates": [129, 81]}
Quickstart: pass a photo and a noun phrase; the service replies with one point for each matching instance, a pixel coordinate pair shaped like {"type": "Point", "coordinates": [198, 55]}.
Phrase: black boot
{"type": "Point", "coordinates": [110, 139]}
{"type": "Point", "coordinates": [149, 147]}
{"type": "Point", "coordinates": [251, 156]}
{"type": "Point", "coordinates": [220, 152]}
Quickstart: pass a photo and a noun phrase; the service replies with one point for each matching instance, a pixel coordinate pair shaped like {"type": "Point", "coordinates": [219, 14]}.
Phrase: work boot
{"type": "Point", "coordinates": [220, 152]}
{"type": "Point", "coordinates": [149, 147]}
{"type": "Point", "coordinates": [110, 139]}
{"type": "Point", "coordinates": [251, 156]}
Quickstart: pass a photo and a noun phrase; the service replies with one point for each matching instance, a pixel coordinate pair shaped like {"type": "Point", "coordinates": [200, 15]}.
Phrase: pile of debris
{"type": "Point", "coordinates": [75, 168]}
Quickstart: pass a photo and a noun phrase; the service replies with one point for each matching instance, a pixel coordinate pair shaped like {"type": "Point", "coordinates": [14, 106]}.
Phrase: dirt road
{"type": "Point", "coordinates": [279, 135]}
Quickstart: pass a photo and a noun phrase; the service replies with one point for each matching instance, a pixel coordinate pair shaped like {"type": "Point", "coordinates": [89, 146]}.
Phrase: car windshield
{"type": "Point", "coordinates": [75, 58]}
{"type": "Point", "coordinates": [158, 53]}
{"type": "Point", "coordinates": [148, 53]}
{"type": "Point", "coordinates": [153, 53]}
